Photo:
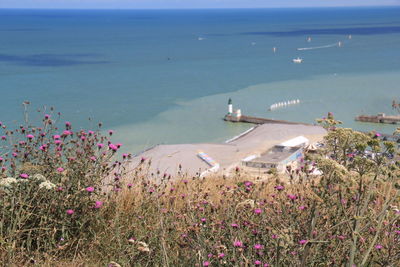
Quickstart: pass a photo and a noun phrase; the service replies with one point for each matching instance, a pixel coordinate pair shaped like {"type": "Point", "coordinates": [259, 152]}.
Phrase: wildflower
{"type": "Point", "coordinates": [89, 189]}
{"type": "Point", "coordinates": [24, 175]}
{"type": "Point", "coordinates": [235, 225]}
{"type": "Point", "coordinates": [113, 147]}
{"type": "Point", "coordinates": [341, 237]}
{"type": "Point", "coordinates": [266, 264]}
{"type": "Point", "coordinates": [60, 169]}
{"type": "Point", "coordinates": [93, 158]}
{"type": "Point", "coordinates": [47, 116]}
{"type": "Point", "coordinates": [247, 184]}
{"type": "Point", "coordinates": [143, 247]}
{"type": "Point", "coordinates": [70, 212]}
{"type": "Point", "coordinates": [206, 263]}
{"type": "Point", "coordinates": [125, 155]}
{"type": "Point", "coordinates": [7, 182]}
{"type": "Point", "coordinates": [1, 159]}
{"type": "Point", "coordinates": [279, 187]}
{"type": "Point", "coordinates": [67, 124]}
{"type": "Point", "coordinates": [110, 132]}
{"type": "Point", "coordinates": [258, 211]}
{"type": "Point", "coordinates": [185, 181]}
{"type": "Point", "coordinates": [3, 137]}
{"type": "Point", "coordinates": [129, 185]}
{"type": "Point", "coordinates": [60, 188]}
{"type": "Point", "coordinates": [258, 246]}
{"type": "Point", "coordinates": [47, 185]}
{"type": "Point", "coordinates": [292, 197]}
{"type": "Point", "coordinates": [221, 255]}
{"type": "Point", "coordinates": [210, 255]}
{"type": "Point", "coordinates": [14, 154]}
{"type": "Point", "coordinates": [142, 159]}
{"type": "Point", "coordinates": [238, 244]}
{"type": "Point", "coordinates": [203, 220]}
{"type": "Point", "coordinates": [274, 236]}
{"type": "Point", "coordinates": [98, 204]}
{"type": "Point", "coordinates": [378, 246]}
{"type": "Point", "coordinates": [66, 133]}
{"type": "Point", "coordinates": [30, 136]}
{"type": "Point", "coordinates": [302, 208]}
{"type": "Point", "coordinates": [257, 262]}
{"type": "Point", "coordinates": [100, 145]}
{"type": "Point", "coordinates": [55, 137]}
{"type": "Point", "coordinates": [303, 242]}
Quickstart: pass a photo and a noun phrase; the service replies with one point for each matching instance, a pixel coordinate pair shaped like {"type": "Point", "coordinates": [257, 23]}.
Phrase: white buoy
{"type": "Point", "coordinates": [274, 49]}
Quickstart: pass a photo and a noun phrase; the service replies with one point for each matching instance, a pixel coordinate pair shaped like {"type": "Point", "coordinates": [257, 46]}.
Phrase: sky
{"type": "Point", "coordinates": [161, 4]}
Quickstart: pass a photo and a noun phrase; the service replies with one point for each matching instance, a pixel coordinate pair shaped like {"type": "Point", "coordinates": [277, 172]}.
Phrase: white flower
{"type": "Point", "coordinates": [48, 185]}
{"type": "Point", "coordinates": [39, 177]}
{"type": "Point", "coordinates": [7, 182]}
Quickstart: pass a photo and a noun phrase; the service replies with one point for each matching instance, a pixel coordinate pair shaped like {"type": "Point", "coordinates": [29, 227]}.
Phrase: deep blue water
{"type": "Point", "coordinates": [125, 67]}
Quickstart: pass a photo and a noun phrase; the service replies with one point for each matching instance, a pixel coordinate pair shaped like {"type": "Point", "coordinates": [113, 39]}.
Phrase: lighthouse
{"type": "Point", "coordinates": [230, 106]}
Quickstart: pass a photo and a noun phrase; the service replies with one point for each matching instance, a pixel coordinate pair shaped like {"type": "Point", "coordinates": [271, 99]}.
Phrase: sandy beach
{"type": "Point", "coordinates": [166, 159]}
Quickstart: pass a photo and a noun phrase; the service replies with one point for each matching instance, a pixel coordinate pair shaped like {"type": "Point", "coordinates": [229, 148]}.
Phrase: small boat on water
{"type": "Point", "coordinates": [297, 60]}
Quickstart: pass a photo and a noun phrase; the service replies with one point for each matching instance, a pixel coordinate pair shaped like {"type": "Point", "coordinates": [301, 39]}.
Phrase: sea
{"type": "Point", "coordinates": [165, 76]}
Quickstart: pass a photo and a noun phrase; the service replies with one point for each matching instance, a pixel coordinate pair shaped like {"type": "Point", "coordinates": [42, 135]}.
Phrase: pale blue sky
{"type": "Point", "coordinates": [189, 3]}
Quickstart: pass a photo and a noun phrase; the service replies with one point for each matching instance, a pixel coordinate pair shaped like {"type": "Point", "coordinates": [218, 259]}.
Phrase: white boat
{"type": "Point", "coordinates": [297, 60]}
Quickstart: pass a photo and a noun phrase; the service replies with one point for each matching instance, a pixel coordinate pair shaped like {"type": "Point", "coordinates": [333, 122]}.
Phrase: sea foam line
{"type": "Point", "coordinates": [318, 47]}
{"type": "Point", "coordinates": [240, 135]}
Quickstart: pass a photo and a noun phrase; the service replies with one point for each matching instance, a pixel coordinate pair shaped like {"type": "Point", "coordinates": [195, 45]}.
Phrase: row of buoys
{"type": "Point", "coordinates": [284, 104]}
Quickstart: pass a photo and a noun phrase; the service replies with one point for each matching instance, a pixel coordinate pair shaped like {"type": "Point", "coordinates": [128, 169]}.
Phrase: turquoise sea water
{"type": "Point", "coordinates": [165, 76]}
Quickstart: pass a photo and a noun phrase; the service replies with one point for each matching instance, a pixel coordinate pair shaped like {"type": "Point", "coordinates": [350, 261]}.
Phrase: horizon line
{"type": "Point", "coordinates": [194, 8]}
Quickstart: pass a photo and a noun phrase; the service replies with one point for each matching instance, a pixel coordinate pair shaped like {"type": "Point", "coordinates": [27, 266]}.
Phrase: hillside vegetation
{"type": "Point", "coordinates": [55, 209]}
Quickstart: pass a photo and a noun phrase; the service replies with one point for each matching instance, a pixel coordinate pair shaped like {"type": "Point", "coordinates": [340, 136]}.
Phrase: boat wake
{"type": "Point", "coordinates": [319, 47]}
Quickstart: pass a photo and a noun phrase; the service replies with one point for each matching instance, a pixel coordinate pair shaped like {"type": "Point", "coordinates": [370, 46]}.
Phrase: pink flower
{"type": "Point", "coordinates": [258, 246]}
{"type": "Point", "coordinates": [113, 147]}
{"type": "Point", "coordinates": [60, 169]}
{"type": "Point", "coordinates": [257, 262]}
{"type": "Point", "coordinates": [279, 187]}
{"type": "Point", "coordinates": [100, 145]}
{"type": "Point", "coordinates": [60, 188]}
{"type": "Point", "coordinates": [258, 211]}
{"type": "Point", "coordinates": [1, 159]}
{"type": "Point", "coordinates": [55, 137]}
{"type": "Point", "coordinates": [90, 132]}
{"type": "Point", "coordinates": [274, 236]}
{"type": "Point", "coordinates": [235, 225]}
{"type": "Point", "coordinates": [302, 208]}
{"type": "Point", "coordinates": [110, 132]}
{"type": "Point", "coordinates": [266, 265]}
{"type": "Point", "coordinates": [98, 204]}
{"type": "Point", "coordinates": [3, 137]}
{"type": "Point", "coordinates": [292, 197]}
{"type": "Point", "coordinates": [238, 244]}
{"type": "Point", "coordinates": [30, 136]}
{"type": "Point", "coordinates": [14, 154]}
{"type": "Point", "coordinates": [66, 132]}
{"type": "Point", "coordinates": [206, 263]}
{"type": "Point", "coordinates": [24, 175]}
{"type": "Point", "coordinates": [70, 212]}
{"type": "Point", "coordinates": [47, 116]}
{"type": "Point", "coordinates": [378, 246]}
{"type": "Point", "coordinates": [89, 189]}
{"type": "Point", "coordinates": [203, 220]}
{"type": "Point", "coordinates": [93, 158]}
{"type": "Point", "coordinates": [303, 242]}
{"type": "Point", "coordinates": [129, 185]}
{"type": "Point", "coordinates": [221, 255]}
{"type": "Point", "coordinates": [67, 124]}
{"type": "Point", "coordinates": [209, 255]}
{"type": "Point", "coordinates": [57, 142]}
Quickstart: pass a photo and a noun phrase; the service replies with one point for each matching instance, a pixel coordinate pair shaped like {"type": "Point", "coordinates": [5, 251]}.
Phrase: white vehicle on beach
{"type": "Point", "coordinates": [297, 60]}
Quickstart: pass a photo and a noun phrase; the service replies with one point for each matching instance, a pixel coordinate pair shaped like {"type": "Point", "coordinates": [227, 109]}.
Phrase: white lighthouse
{"type": "Point", "coordinates": [230, 106]}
